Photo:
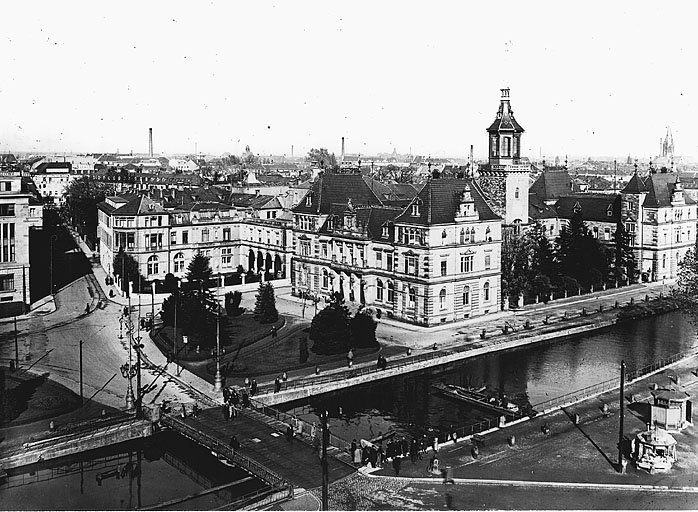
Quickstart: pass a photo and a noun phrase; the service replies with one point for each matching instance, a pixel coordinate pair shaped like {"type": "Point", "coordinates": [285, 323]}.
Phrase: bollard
{"type": "Point", "coordinates": [409, 351]}
{"type": "Point", "coordinates": [632, 300]}
{"type": "Point", "coordinates": [511, 440]}
{"type": "Point", "coordinates": [475, 451]}
{"type": "Point", "coordinates": [600, 308]}
{"type": "Point", "coordinates": [483, 334]}
{"type": "Point", "coordinates": [616, 305]}
{"type": "Point", "coordinates": [317, 370]}
{"type": "Point", "coordinates": [576, 419]}
{"type": "Point", "coordinates": [52, 426]}
{"type": "Point", "coordinates": [584, 311]}
{"type": "Point", "coordinates": [647, 298]}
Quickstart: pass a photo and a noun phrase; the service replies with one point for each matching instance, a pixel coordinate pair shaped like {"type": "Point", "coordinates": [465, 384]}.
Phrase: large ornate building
{"type": "Point", "coordinates": [661, 219]}
{"type": "Point", "coordinates": [435, 259]}
{"type": "Point", "coordinates": [163, 238]}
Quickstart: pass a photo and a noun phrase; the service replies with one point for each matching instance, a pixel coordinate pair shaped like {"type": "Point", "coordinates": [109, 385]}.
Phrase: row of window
{"type": "Point", "coordinates": [7, 242]}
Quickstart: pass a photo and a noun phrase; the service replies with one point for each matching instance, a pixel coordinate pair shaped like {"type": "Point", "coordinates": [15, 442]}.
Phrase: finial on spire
{"type": "Point", "coordinates": [636, 166]}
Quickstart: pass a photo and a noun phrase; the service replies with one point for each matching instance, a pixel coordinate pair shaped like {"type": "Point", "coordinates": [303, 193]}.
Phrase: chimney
{"type": "Point", "coordinates": [150, 141]}
{"type": "Point", "coordinates": [291, 150]}
{"type": "Point", "coordinates": [472, 163]}
{"type": "Point", "coordinates": [342, 149]}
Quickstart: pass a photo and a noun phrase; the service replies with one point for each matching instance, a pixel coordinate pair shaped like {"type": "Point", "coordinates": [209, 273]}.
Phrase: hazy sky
{"type": "Point", "coordinates": [586, 78]}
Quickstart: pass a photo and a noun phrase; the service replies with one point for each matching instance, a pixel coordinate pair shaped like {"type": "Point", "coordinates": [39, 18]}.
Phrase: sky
{"type": "Point", "coordinates": [587, 78]}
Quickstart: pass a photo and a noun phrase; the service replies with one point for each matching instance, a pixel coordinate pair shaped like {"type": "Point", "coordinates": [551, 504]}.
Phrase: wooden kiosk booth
{"type": "Point", "coordinates": [672, 410]}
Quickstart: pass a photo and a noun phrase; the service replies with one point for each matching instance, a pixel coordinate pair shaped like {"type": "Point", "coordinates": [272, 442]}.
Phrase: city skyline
{"type": "Point", "coordinates": [217, 78]}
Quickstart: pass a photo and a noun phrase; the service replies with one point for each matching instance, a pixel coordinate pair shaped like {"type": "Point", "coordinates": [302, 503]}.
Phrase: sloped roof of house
{"type": "Point", "coordinates": [334, 189]}
{"type": "Point", "coordinates": [140, 205]}
{"type": "Point", "coordinates": [593, 207]}
{"type": "Point", "coordinates": [636, 185]}
{"type": "Point", "coordinates": [552, 184]}
{"type": "Point", "coordinates": [439, 199]}
{"type": "Point", "coordinates": [660, 188]}
{"type": "Point", "coordinates": [251, 200]}
{"type": "Point", "coordinates": [537, 209]}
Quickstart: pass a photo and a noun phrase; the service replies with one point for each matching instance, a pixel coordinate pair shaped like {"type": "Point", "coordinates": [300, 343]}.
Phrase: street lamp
{"type": "Point", "coordinates": [218, 383]}
{"type": "Point", "coordinates": [128, 371]}
{"type": "Point", "coordinates": [50, 261]}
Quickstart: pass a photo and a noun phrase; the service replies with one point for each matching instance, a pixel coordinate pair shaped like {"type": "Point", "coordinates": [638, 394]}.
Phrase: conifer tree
{"type": "Point", "coordinates": [330, 327]}
{"type": "Point", "coordinates": [265, 304]}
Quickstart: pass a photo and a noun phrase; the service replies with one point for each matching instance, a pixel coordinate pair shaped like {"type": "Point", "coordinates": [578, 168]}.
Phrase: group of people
{"type": "Point", "coordinates": [233, 402]}
{"type": "Point", "coordinates": [395, 450]}
{"type": "Point", "coordinates": [251, 385]}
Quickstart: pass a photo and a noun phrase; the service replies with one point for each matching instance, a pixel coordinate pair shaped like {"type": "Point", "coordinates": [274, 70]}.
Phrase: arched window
{"type": "Point", "coordinates": [153, 265]}
{"type": "Point", "coordinates": [179, 262]}
{"type": "Point", "coordinates": [486, 292]}
{"type": "Point", "coordinates": [488, 236]}
{"type": "Point", "coordinates": [462, 235]}
{"type": "Point", "coordinates": [391, 292]}
{"type": "Point", "coordinates": [466, 296]}
{"type": "Point", "coordinates": [325, 279]}
{"type": "Point", "coordinates": [442, 298]}
{"type": "Point", "coordinates": [472, 235]}
{"type": "Point", "coordinates": [379, 290]}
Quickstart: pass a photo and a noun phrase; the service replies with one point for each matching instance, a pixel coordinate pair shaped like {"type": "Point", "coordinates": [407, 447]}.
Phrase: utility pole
{"type": "Point", "coordinates": [323, 461]}
{"type": "Point", "coordinates": [16, 347]}
{"type": "Point", "coordinates": [622, 404]}
{"type": "Point", "coordinates": [81, 394]}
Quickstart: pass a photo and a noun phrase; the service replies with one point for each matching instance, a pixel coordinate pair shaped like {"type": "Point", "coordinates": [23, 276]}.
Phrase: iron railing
{"type": "Point", "coordinates": [251, 466]}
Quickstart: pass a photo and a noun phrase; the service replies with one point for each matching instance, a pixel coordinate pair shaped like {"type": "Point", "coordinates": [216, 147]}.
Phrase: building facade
{"type": "Point", "coordinates": [19, 212]}
{"type": "Point", "coordinates": [433, 260]}
{"type": "Point", "coordinates": [165, 240]}
{"type": "Point", "coordinates": [661, 220]}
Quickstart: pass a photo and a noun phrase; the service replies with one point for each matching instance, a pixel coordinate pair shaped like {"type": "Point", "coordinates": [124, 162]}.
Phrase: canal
{"type": "Point", "coordinates": [137, 474]}
{"type": "Point", "coordinates": [529, 375]}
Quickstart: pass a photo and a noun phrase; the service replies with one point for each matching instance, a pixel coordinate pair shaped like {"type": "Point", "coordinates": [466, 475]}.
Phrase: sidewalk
{"type": "Point", "coordinates": [521, 461]}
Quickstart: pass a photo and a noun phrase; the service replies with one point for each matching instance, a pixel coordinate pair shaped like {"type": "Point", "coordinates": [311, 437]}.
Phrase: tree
{"type": "Point", "coordinates": [624, 264]}
{"type": "Point", "coordinates": [515, 267]}
{"type": "Point", "coordinates": [323, 158]}
{"type": "Point", "coordinates": [578, 252]}
{"type": "Point", "coordinates": [232, 303]}
{"type": "Point", "coordinates": [329, 329]}
{"type": "Point", "coordinates": [542, 256]}
{"type": "Point", "coordinates": [265, 304]}
{"type": "Point", "coordinates": [127, 268]}
{"type": "Point", "coordinates": [82, 196]}
{"type": "Point", "coordinates": [197, 308]}
{"type": "Point", "coordinates": [363, 329]}
{"type": "Point", "coordinates": [303, 349]}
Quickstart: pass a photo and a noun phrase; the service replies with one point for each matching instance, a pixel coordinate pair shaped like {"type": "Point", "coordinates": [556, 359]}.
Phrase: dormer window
{"type": "Point", "coordinates": [415, 207]}
{"type": "Point", "coordinates": [309, 200]}
{"type": "Point", "coordinates": [384, 232]}
{"type": "Point", "coordinates": [330, 223]}
{"type": "Point", "coordinates": [609, 211]}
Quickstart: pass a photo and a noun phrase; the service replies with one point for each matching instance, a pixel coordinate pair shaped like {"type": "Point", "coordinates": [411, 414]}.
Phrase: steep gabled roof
{"type": "Point", "coordinates": [552, 184]}
{"type": "Point", "coordinates": [659, 190]}
{"type": "Point", "coordinates": [593, 207]}
{"type": "Point", "coordinates": [140, 205]}
{"type": "Point", "coordinates": [537, 209]}
{"type": "Point", "coordinates": [333, 189]}
{"type": "Point", "coordinates": [251, 200]}
{"type": "Point", "coordinates": [439, 199]}
{"type": "Point", "coordinates": [636, 185]}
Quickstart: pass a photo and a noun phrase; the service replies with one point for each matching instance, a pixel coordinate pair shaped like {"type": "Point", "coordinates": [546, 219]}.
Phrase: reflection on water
{"type": "Point", "coordinates": [129, 475]}
{"type": "Point", "coordinates": [527, 375]}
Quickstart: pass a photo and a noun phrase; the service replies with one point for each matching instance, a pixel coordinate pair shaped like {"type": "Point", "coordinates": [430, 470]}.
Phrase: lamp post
{"type": "Point", "coordinates": [50, 261]}
{"type": "Point", "coordinates": [218, 383]}
{"type": "Point", "coordinates": [128, 370]}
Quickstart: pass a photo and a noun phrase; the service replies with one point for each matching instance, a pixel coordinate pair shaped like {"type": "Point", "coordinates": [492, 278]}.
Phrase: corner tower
{"type": "Point", "coordinates": [505, 177]}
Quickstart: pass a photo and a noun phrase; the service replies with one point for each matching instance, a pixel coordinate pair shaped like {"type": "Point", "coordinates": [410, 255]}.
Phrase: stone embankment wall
{"type": "Point", "coordinates": [520, 338]}
{"type": "Point", "coordinates": [69, 444]}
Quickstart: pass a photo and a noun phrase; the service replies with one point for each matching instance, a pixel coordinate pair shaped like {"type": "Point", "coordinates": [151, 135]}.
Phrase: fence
{"type": "Point", "coordinates": [307, 431]}
{"type": "Point", "coordinates": [276, 482]}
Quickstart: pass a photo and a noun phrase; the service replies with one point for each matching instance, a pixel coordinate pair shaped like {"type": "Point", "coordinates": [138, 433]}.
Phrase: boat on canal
{"type": "Point", "coordinates": [476, 397]}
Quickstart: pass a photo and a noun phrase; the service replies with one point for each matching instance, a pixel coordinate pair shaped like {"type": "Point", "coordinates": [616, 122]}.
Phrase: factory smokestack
{"type": "Point", "coordinates": [342, 149]}
{"type": "Point", "coordinates": [150, 141]}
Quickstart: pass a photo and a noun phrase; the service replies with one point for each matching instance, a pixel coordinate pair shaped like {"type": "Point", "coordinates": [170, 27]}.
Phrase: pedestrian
{"type": "Point", "coordinates": [234, 397]}
{"type": "Point", "coordinates": [414, 448]}
{"type": "Point", "coordinates": [396, 465]}
{"type": "Point", "coordinates": [373, 457]}
{"type": "Point", "coordinates": [87, 308]}
{"type": "Point", "coordinates": [352, 448]}
{"type": "Point", "coordinates": [226, 394]}
{"type": "Point", "coordinates": [245, 400]}
{"type": "Point", "coordinates": [253, 387]}
{"type": "Point", "coordinates": [234, 443]}
{"type": "Point", "coordinates": [350, 357]}
{"type": "Point", "coordinates": [430, 466]}
{"type": "Point", "coordinates": [381, 455]}
{"type": "Point", "coordinates": [404, 447]}
{"type": "Point", "coordinates": [232, 412]}
{"type": "Point", "coordinates": [313, 431]}
{"type": "Point", "coordinates": [357, 456]}
{"type": "Point", "coordinates": [435, 444]}
{"type": "Point", "coordinates": [226, 412]}
{"type": "Point", "coordinates": [277, 385]}
{"type": "Point", "coordinates": [247, 382]}
{"type": "Point", "coordinates": [273, 332]}
{"type": "Point", "coordinates": [289, 433]}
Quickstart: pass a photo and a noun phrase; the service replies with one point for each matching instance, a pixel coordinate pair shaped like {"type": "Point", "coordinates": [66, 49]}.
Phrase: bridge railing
{"type": "Point", "coordinates": [266, 475]}
{"type": "Point", "coordinates": [307, 430]}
